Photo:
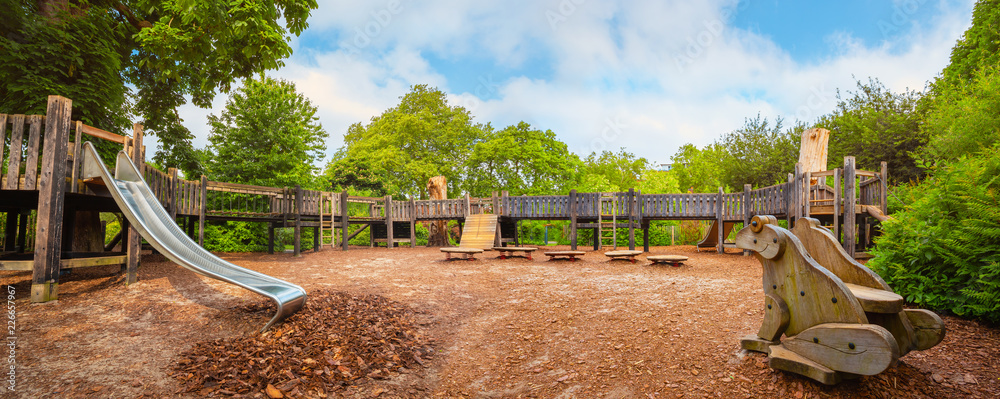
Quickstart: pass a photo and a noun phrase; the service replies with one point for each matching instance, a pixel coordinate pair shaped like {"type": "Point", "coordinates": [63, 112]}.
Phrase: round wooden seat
{"type": "Point", "coordinates": [622, 253]}
{"type": "Point", "coordinates": [674, 260]}
{"type": "Point", "coordinates": [515, 249]}
{"type": "Point", "coordinates": [462, 250]}
{"type": "Point", "coordinates": [565, 253]}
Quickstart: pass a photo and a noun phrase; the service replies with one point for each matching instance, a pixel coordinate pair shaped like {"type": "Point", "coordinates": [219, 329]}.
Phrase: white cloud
{"type": "Point", "coordinates": [663, 73]}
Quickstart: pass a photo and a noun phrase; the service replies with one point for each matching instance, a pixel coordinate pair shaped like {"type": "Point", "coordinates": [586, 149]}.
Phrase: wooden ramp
{"type": "Point", "coordinates": [711, 239]}
{"type": "Point", "coordinates": [479, 231]}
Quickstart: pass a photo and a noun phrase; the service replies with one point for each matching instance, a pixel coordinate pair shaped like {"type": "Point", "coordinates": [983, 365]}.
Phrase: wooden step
{"type": "Point", "coordinates": [783, 359]}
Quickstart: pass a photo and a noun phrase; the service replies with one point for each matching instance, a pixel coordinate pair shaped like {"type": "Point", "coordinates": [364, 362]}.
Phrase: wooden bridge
{"type": "Point", "coordinates": [52, 216]}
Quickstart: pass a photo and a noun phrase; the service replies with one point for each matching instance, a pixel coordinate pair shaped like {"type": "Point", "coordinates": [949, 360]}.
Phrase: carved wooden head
{"type": "Point", "coordinates": [762, 237]}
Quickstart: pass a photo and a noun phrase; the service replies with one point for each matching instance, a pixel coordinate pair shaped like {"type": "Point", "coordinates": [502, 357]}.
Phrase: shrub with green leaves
{"type": "Point", "coordinates": [942, 250]}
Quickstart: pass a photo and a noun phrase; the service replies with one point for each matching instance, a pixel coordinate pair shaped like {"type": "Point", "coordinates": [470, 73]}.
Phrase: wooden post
{"type": "Point", "coordinates": [572, 220]}
{"type": "Point", "coordinates": [172, 195]}
{"type": "Point", "coordinates": [645, 236]}
{"type": "Point", "coordinates": [3, 136]}
{"type": "Point", "coordinates": [850, 194]}
{"type": "Point", "coordinates": [202, 210]}
{"type": "Point", "coordinates": [496, 211]}
{"type": "Point", "coordinates": [747, 211]}
{"type": "Point", "coordinates": [631, 218]}
{"type": "Point", "coordinates": [345, 220]}
{"type": "Point", "coordinates": [468, 205]}
{"type": "Point", "coordinates": [788, 199]}
{"type": "Point", "coordinates": [807, 194]}
{"type": "Point", "coordinates": [134, 240]}
{"type": "Point", "coordinates": [298, 221]}
{"type": "Point", "coordinates": [797, 194]}
{"type": "Point", "coordinates": [388, 221]}
{"type": "Point", "coordinates": [413, 223]}
{"type": "Point", "coordinates": [270, 237]}
{"type": "Point", "coordinates": [837, 198]}
{"type": "Point", "coordinates": [884, 188]}
{"type": "Point", "coordinates": [51, 197]}
{"type": "Point", "coordinates": [16, 152]}
{"type": "Point", "coordinates": [77, 153]}
{"type": "Point", "coordinates": [720, 247]}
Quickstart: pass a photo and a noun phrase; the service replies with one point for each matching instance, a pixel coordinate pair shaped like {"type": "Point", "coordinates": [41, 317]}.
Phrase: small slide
{"type": "Point", "coordinates": [479, 231]}
{"type": "Point", "coordinates": [711, 239]}
{"type": "Point", "coordinates": [875, 212]}
{"type": "Point", "coordinates": [153, 222]}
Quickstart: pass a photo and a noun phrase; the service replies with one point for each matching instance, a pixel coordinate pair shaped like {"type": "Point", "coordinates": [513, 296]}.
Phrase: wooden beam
{"type": "Point", "coordinates": [51, 200]}
{"type": "Point", "coordinates": [837, 199]}
{"type": "Point", "coordinates": [134, 241]}
{"type": "Point", "coordinates": [632, 213]}
{"type": "Point", "coordinates": [31, 158]}
{"type": "Point", "coordinates": [103, 134]}
{"type": "Point", "coordinates": [24, 265]}
{"type": "Point", "coordinates": [747, 211]}
{"type": "Point", "coordinates": [3, 136]}
{"type": "Point", "coordinates": [884, 189]}
{"type": "Point", "coordinates": [77, 153]}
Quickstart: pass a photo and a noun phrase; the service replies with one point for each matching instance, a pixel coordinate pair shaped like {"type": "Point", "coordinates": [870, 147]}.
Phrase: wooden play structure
{"type": "Point", "coordinates": [52, 219]}
{"type": "Point", "coordinates": [826, 316]}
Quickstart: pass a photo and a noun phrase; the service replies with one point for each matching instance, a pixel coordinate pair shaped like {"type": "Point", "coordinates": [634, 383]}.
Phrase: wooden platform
{"type": "Point", "coordinates": [673, 260]}
{"type": "Point", "coordinates": [511, 251]}
{"type": "Point", "coordinates": [571, 255]}
{"type": "Point", "coordinates": [623, 255]}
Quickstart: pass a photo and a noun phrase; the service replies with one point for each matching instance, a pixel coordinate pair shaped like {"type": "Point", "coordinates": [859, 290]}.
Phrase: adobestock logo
{"type": "Point", "coordinates": [380, 19]}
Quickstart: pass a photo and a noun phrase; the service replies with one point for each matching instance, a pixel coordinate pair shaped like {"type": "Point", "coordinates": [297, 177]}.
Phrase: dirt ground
{"type": "Point", "coordinates": [499, 328]}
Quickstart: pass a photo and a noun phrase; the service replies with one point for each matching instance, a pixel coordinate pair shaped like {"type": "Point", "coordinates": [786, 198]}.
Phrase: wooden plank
{"type": "Point", "coordinates": [16, 152]}
{"type": "Point", "coordinates": [31, 158]}
{"type": "Point", "coordinates": [389, 220]}
{"type": "Point", "coordinates": [720, 245]}
{"type": "Point", "coordinates": [837, 199]}
{"type": "Point", "coordinates": [24, 265]}
{"type": "Point", "coordinates": [51, 197]}
{"type": "Point", "coordinates": [77, 162]}
{"type": "Point", "coordinates": [573, 209]}
{"type": "Point", "coordinates": [102, 134]}
{"type": "Point", "coordinates": [863, 349]}
{"type": "Point", "coordinates": [297, 245]}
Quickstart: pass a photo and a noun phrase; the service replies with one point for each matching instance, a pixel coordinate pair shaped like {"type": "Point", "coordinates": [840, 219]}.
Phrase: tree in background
{"type": "Point", "coordinates": [658, 182]}
{"type": "Point", "coordinates": [609, 171]}
{"type": "Point", "coordinates": [268, 135]}
{"type": "Point", "coordinates": [759, 153]}
{"type": "Point", "coordinates": [699, 170]}
{"type": "Point", "coordinates": [420, 138]}
{"type": "Point", "coordinates": [965, 117]}
{"type": "Point", "coordinates": [521, 160]}
{"type": "Point", "coordinates": [95, 52]}
{"type": "Point", "coordinates": [873, 124]}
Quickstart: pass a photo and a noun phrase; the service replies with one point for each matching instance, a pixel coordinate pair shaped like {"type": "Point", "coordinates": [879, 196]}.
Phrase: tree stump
{"type": "Point", "coordinates": [437, 189]}
{"type": "Point", "coordinates": [813, 150]}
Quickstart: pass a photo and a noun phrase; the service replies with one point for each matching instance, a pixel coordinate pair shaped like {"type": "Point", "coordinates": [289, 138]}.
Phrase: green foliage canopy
{"type": "Point", "coordinates": [406, 145]}
{"type": "Point", "coordinates": [94, 51]}
{"type": "Point", "coordinates": [522, 161]}
{"type": "Point", "coordinates": [874, 125]}
{"type": "Point", "coordinates": [698, 170]}
{"type": "Point", "coordinates": [267, 135]}
{"type": "Point", "coordinates": [760, 153]}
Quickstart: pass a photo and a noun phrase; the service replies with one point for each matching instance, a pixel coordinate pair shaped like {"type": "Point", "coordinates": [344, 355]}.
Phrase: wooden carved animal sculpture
{"type": "Point", "coordinates": [828, 333]}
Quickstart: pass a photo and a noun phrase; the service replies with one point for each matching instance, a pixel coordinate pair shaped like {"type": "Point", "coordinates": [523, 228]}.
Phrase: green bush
{"type": "Point", "coordinates": [237, 237]}
{"type": "Point", "coordinates": [941, 251]}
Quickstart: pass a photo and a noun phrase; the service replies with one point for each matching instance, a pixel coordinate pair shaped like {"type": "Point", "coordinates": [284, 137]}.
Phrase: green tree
{"type": "Point", "coordinates": [420, 138]}
{"type": "Point", "coordinates": [658, 182]}
{"type": "Point", "coordinates": [267, 135]}
{"type": "Point", "coordinates": [141, 57]}
{"type": "Point", "coordinates": [760, 153]}
{"type": "Point", "coordinates": [620, 171]}
{"type": "Point", "coordinates": [522, 161]}
{"type": "Point", "coordinates": [873, 124]}
{"type": "Point", "coordinates": [978, 48]}
{"type": "Point", "coordinates": [698, 170]}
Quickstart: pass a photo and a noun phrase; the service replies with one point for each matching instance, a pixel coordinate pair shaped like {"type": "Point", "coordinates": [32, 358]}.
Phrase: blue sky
{"type": "Point", "coordinates": [647, 76]}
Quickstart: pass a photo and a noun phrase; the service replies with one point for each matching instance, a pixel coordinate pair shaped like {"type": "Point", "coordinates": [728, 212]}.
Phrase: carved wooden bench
{"type": "Point", "coordinates": [838, 318]}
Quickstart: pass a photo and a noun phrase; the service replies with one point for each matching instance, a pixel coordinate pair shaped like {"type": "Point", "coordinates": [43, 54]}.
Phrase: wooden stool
{"type": "Point", "coordinates": [626, 255]}
{"type": "Point", "coordinates": [571, 255]}
{"type": "Point", "coordinates": [470, 253]}
{"type": "Point", "coordinates": [673, 260]}
{"type": "Point", "coordinates": [510, 251]}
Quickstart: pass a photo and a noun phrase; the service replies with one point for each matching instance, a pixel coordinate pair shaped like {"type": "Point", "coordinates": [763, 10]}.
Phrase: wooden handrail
{"type": "Point", "coordinates": [101, 134]}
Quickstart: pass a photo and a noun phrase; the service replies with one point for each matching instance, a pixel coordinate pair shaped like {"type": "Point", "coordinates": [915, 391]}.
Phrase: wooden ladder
{"type": "Point", "coordinates": [607, 230]}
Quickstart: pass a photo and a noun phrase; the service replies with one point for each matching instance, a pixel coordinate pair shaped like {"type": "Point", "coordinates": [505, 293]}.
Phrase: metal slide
{"type": "Point", "coordinates": [153, 222]}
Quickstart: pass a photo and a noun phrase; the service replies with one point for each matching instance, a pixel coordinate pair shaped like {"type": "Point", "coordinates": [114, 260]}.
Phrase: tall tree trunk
{"type": "Point", "coordinates": [437, 189]}
{"type": "Point", "coordinates": [813, 150]}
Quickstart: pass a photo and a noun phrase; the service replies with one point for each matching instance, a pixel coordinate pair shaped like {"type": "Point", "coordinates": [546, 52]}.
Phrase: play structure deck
{"type": "Point", "coordinates": [53, 216]}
